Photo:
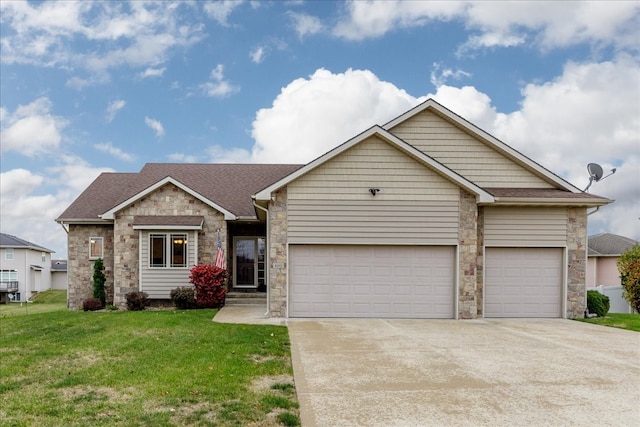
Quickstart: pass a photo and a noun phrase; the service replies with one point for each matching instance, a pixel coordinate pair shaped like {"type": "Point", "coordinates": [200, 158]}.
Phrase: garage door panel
{"type": "Point", "coordinates": [523, 282]}
{"type": "Point", "coordinates": [374, 281]}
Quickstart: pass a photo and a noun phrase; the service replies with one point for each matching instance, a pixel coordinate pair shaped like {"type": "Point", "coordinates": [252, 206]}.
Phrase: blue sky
{"type": "Point", "coordinates": [87, 87]}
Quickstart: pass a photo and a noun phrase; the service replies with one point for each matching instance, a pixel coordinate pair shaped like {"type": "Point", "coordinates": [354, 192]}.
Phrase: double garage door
{"type": "Point", "coordinates": [418, 281]}
{"type": "Point", "coordinates": [371, 281]}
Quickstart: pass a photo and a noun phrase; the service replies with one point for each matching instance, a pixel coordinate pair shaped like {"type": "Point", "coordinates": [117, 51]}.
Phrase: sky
{"type": "Point", "coordinates": [98, 86]}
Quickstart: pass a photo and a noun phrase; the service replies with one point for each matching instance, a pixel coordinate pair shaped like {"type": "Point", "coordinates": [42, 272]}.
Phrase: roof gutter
{"type": "Point", "coordinates": [523, 201]}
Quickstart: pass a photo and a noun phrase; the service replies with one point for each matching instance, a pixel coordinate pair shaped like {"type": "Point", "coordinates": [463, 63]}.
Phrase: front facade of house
{"type": "Point", "coordinates": [425, 217]}
{"type": "Point", "coordinates": [25, 269]}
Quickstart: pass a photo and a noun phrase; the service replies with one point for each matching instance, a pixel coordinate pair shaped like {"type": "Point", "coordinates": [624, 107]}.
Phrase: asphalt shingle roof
{"type": "Point", "coordinates": [604, 244]}
{"type": "Point", "coordinates": [230, 186]}
{"type": "Point", "coordinates": [10, 241]}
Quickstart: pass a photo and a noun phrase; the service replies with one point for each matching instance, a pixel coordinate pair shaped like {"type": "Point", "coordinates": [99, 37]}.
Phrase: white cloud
{"type": "Point", "coordinates": [258, 54]}
{"type": "Point", "coordinates": [155, 125]}
{"type": "Point", "coordinates": [218, 87]}
{"type": "Point", "coordinates": [220, 10]}
{"type": "Point", "coordinates": [440, 75]}
{"type": "Point", "coordinates": [152, 72]}
{"type": "Point", "coordinates": [116, 152]}
{"type": "Point", "coordinates": [29, 205]}
{"type": "Point", "coordinates": [305, 24]}
{"type": "Point", "coordinates": [311, 116]}
{"type": "Point", "coordinates": [114, 107]}
{"type": "Point", "coordinates": [32, 129]}
{"type": "Point", "coordinates": [218, 154]}
{"type": "Point", "coordinates": [136, 34]}
{"type": "Point", "coordinates": [182, 158]}
{"type": "Point", "coordinates": [554, 24]}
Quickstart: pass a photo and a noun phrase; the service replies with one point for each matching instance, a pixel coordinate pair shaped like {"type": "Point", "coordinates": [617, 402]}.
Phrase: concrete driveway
{"type": "Point", "coordinates": [524, 372]}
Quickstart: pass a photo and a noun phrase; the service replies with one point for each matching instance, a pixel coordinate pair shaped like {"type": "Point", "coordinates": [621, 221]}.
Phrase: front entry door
{"type": "Point", "coordinates": [248, 262]}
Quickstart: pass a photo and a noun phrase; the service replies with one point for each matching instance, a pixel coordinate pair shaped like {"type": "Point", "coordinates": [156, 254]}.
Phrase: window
{"type": "Point", "coordinates": [95, 247]}
{"type": "Point", "coordinates": [8, 276]}
{"type": "Point", "coordinates": [44, 257]}
{"type": "Point", "coordinates": [167, 250]}
{"type": "Point", "coordinates": [8, 253]}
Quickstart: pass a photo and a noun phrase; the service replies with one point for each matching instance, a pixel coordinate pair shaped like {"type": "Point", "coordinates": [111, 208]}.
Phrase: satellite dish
{"type": "Point", "coordinates": [595, 173]}
{"type": "Point", "coordinates": [11, 296]}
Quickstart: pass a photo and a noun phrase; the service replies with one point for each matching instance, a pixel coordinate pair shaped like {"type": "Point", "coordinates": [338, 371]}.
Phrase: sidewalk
{"type": "Point", "coordinates": [247, 314]}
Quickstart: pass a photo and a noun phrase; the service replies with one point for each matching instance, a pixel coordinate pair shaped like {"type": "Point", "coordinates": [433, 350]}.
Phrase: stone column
{"type": "Point", "coordinates": [576, 261]}
{"type": "Point", "coordinates": [277, 267]}
{"type": "Point", "coordinates": [467, 256]}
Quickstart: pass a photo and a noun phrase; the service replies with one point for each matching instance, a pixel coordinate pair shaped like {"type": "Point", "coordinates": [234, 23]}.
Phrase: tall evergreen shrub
{"type": "Point", "coordinates": [99, 280]}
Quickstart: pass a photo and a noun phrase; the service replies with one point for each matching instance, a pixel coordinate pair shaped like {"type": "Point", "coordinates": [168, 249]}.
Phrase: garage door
{"type": "Point", "coordinates": [523, 282]}
{"type": "Point", "coordinates": [371, 281]}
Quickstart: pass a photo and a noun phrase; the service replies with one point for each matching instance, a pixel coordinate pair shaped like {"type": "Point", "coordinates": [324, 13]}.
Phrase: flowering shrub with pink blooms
{"type": "Point", "coordinates": [208, 281]}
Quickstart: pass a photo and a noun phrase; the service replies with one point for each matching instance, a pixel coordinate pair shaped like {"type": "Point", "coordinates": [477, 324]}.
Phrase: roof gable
{"type": "Point", "coordinates": [10, 241]}
{"type": "Point", "coordinates": [504, 150]}
{"type": "Point", "coordinates": [391, 139]}
{"type": "Point", "coordinates": [110, 214]}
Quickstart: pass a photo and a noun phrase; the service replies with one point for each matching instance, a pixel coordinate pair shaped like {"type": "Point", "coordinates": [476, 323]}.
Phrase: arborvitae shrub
{"type": "Point", "coordinates": [184, 298]}
{"type": "Point", "coordinates": [597, 303]}
{"type": "Point", "coordinates": [99, 280]}
{"type": "Point", "coordinates": [137, 301]}
{"type": "Point", "coordinates": [92, 304]}
{"type": "Point", "coordinates": [208, 281]}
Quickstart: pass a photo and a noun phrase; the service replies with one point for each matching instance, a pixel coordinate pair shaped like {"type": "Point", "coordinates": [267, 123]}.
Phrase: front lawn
{"type": "Point", "coordinates": [153, 368]}
{"type": "Point", "coordinates": [617, 320]}
{"type": "Point", "coordinates": [43, 302]}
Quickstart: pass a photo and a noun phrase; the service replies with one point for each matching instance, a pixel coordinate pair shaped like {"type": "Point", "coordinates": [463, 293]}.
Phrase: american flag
{"type": "Point", "coordinates": [220, 263]}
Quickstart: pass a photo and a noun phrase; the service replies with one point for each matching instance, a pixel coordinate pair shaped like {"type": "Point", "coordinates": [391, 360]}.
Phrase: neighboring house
{"type": "Point", "coordinates": [25, 268]}
{"type": "Point", "coordinates": [604, 251]}
{"type": "Point", "coordinates": [59, 274]}
{"type": "Point", "coordinates": [427, 216]}
{"type": "Point", "coordinates": [602, 268]}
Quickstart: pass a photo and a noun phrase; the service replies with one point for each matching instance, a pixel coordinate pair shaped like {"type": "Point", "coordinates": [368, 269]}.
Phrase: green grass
{"type": "Point", "coordinates": [617, 320]}
{"type": "Point", "coordinates": [43, 302]}
{"type": "Point", "coordinates": [149, 368]}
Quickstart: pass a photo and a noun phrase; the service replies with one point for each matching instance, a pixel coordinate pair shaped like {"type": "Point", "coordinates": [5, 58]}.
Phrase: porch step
{"type": "Point", "coordinates": [246, 298]}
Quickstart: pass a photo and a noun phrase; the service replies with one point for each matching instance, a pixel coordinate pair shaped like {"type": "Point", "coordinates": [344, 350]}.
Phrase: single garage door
{"type": "Point", "coordinates": [523, 282]}
{"type": "Point", "coordinates": [371, 281]}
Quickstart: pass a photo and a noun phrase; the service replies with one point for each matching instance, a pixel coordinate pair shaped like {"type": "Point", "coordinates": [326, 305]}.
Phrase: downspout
{"type": "Point", "coordinates": [586, 247]}
{"type": "Point", "coordinates": [267, 261]}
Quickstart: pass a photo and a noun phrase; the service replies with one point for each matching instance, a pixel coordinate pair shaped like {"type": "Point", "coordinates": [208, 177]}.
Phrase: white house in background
{"type": "Point", "coordinates": [25, 268]}
{"type": "Point", "coordinates": [59, 274]}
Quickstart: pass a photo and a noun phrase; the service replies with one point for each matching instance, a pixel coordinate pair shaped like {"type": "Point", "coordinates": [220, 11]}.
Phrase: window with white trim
{"type": "Point", "coordinates": [96, 247]}
{"type": "Point", "coordinates": [167, 250]}
{"type": "Point", "coordinates": [44, 257]}
{"type": "Point", "coordinates": [8, 276]}
{"type": "Point", "coordinates": [8, 254]}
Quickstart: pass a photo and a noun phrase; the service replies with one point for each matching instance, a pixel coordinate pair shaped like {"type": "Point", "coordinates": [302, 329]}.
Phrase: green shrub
{"type": "Point", "coordinates": [137, 301]}
{"type": "Point", "coordinates": [629, 268]}
{"type": "Point", "coordinates": [208, 281]}
{"type": "Point", "coordinates": [184, 298]}
{"type": "Point", "coordinates": [92, 304]}
{"type": "Point", "coordinates": [99, 280]}
{"type": "Point", "coordinates": [597, 303]}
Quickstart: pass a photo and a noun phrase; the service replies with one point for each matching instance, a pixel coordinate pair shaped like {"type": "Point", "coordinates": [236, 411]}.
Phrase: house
{"type": "Point", "coordinates": [25, 268]}
{"type": "Point", "coordinates": [59, 274]}
{"type": "Point", "coordinates": [427, 216]}
{"type": "Point", "coordinates": [602, 268]}
{"type": "Point", "coordinates": [604, 251]}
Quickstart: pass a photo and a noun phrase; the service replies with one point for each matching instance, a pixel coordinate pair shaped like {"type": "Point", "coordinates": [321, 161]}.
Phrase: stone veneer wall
{"type": "Point", "coordinates": [576, 262]}
{"type": "Point", "coordinates": [167, 200]}
{"type": "Point", "coordinates": [278, 254]}
{"type": "Point", "coordinates": [480, 263]}
{"type": "Point", "coordinates": [468, 256]}
{"type": "Point", "coordinates": [80, 267]}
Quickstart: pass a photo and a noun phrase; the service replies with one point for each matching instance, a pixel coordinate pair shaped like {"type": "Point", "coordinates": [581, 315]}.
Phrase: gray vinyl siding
{"type": "Point", "coordinates": [332, 204]}
{"type": "Point", "coordinates": [464, 154]}
{"type": "Point", "coordinates": [525, 226]}
{"type": "Point", "coordinates": [158, 282]}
